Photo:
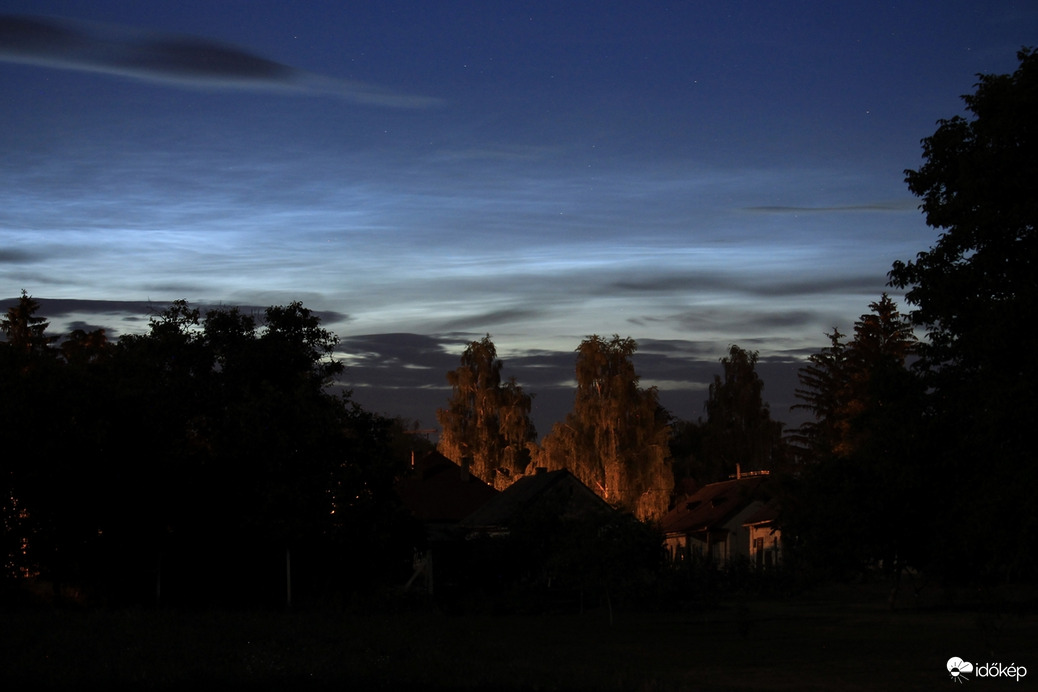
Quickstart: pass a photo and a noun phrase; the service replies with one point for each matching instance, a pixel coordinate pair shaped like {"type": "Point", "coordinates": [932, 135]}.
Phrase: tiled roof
{"type": "Point", "coordinates": [713, 505]}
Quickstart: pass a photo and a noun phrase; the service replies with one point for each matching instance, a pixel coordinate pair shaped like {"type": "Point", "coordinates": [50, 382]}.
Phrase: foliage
{"type": "Point", "coordinates": [374, 537]}
{"type": "Point", "coordinates": [561, 555]}
{"type": "Point", "coordinates": [615, 558]}
{"type": "Point", "coordinates": [859, 497]}
{"type": "Point", "coordinates": [847, 385]}
{"type": "Point", "coordinates": [25, 331]}
{"type": "Point", "coordinates": [486, 425]}
{"type": "Point", "coordinates": [823, 386]}
{"type": "Point", "coordinates": [615, 438]}
{"type": "Point", "coordinates": [27, 376]}
{"type": "Point", "coordinates": [686, 453]}
{"type": "Point", "coordinates": [975, 293]}
{"type": "Point", "coordinates": [188, 462]}
{"type": "Point", "coordinates": [739, 431]}
{"type": "Point", "coordinates": [978, 185]}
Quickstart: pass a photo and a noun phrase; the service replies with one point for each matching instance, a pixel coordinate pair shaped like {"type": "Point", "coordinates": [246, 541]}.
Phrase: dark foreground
{"type": "Point", "coordinates": [846, 641]}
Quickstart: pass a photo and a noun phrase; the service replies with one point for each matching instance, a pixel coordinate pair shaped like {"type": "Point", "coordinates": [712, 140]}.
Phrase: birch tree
{"type": "Point", "coordinates": [486, 425]}
{"type": "Point", "coordinates": [615, 439]}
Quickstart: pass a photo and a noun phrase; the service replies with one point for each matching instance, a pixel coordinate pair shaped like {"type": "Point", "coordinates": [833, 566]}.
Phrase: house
{"type": "Point", "coordinates": [548, 536]}
{"type": "Point", "coordinates": [765, 536]}
{"type": "Point", "coordinates": [504, 536]}
{"type": "Point", "coordinates": [440, 493]}
{"type": "Point", "coordinates": [542, 496]}
{"type": "Point", "coordinates": [721, 521]}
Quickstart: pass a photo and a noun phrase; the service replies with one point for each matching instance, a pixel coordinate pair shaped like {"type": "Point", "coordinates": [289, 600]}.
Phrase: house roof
{"type": "Point", "coordinates": [560, 488]}
{"type": "Point", "coordinates": [440, 491]}
{"type": "Point", "coordinates": [713, 505]}
{"type": "Point", "coordinates": [765, 515]}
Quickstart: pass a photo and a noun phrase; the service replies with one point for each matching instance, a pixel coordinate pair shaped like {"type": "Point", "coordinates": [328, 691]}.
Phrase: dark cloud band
{"type": "Point", "coordinates": [152, 56]}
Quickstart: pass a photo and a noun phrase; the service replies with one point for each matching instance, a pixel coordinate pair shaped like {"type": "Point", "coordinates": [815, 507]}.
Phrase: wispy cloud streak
{"type": "Point", "coordinates": [900, 205]}
{"type": "Point", "coordinates": [183, 60]}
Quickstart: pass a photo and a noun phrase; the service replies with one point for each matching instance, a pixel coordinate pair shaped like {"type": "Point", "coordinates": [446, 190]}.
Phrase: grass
{"type": "Point", "coordinates": [835, 640]}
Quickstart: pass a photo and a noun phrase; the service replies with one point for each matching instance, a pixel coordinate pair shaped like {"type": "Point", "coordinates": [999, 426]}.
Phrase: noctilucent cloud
{"type": "Point", "coordinates": [692, 175]}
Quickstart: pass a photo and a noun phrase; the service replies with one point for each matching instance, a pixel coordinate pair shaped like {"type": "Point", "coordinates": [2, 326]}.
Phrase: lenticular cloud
{"type": "Point", "coordinates": [185, 60]}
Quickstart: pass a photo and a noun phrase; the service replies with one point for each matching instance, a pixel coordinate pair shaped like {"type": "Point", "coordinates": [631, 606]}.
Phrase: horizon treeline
{"type": "Point", "coordinates": [177, 464]}
{"type": "Point", "coordinates": [208, 460]}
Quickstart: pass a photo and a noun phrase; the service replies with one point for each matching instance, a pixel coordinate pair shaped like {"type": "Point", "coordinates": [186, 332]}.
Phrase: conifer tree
{"type": "Point", "coordinates": [822, 387]}
{"type": "Point", "coordinates": [739, 430]}
{"type": "Point", "coordinates": [858, 501]}
{"type": "Point", "coordinates": [847, 384]}
{"type": "Point", "coordinates": [25, 330]}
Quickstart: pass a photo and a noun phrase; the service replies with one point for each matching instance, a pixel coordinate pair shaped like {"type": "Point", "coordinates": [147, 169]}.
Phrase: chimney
{"type": "Point", "coordinates": [738, 471]}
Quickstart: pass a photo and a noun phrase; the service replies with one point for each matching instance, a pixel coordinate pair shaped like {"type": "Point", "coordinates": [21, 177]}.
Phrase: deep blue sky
{"type": "Point", "coordinates": [690, 174]}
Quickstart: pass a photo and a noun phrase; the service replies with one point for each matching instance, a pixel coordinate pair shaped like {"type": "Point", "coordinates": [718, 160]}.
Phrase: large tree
{"type": "Point", "coordinates": [24, 330]}
{"type": "Point", "coordinates": [977, 185]}
{"type": "Point", "coordinates": [975, 293]}
{"type": "Point", "coordinates": [191, 458]}
{"type": "Point", "coordinates": [739, 433]}
{"type": "Point", "coordinates": [249, 434]}
{"type": "Point", "coordinates": [848, 384]}
{"type": "Point", "coordinates": [878, 378]}
{"type": "Point", "coordinates": [860, 497]}
{"type": "Point", "coordinates": [56, 410]}
{"type": "Point", "coordinates": [822, 391]}
{"type": "Point", "coordinates": [615, 438]}
{"type": "Point", "coordinates": [486, 425]}
{"type": "Point", "coordinates": [34, 435]}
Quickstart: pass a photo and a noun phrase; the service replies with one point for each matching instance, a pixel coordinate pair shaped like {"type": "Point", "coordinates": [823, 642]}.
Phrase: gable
{"type": "Point", "coordinates": [439, 491]}
{"type": "Point", "coordinates": [558, 493]}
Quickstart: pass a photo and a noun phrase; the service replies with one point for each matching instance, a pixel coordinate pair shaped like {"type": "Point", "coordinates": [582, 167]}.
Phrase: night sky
{"type": "Point", "coordinates": [690, 174]}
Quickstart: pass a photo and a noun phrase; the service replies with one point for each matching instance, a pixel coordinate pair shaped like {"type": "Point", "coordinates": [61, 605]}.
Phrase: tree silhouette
{"type": "Point", "coordinates": [28, 375]}
{"type": "Point", "coordinates": [615, 438]}
{"type": "Point", "coordinates": [486, 425]}
{"type": "Point", "coordinates": [975, 293]}
{"type": "Point", "coordinates": [25, 331]}
{"type": "Point", "coordinates": [823, 386]}
{"type": "Point", "coordinates": [860, 498]}
{"type": "Point", "coordinates": [183, 464]}
{"type": "Point", "coordinates": [848, 384]}
{"type": "Point", "coordinates": [739, 430]}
